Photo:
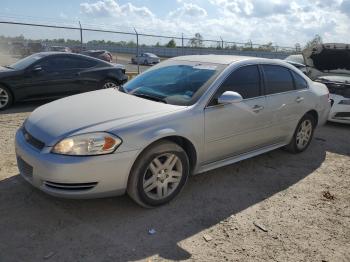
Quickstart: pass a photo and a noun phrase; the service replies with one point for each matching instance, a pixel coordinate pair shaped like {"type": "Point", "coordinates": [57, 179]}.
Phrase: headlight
{"type": "Point", "coordinates": [344, 102]}
{"type": "Point", "coordinates": [90, 144]}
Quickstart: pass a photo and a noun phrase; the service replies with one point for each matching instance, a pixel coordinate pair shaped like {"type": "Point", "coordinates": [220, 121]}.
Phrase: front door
{"type": "Point", "coordinates": [233, 129]}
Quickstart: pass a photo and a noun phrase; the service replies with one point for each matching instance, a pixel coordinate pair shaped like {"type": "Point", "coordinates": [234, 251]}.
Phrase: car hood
{"type": "Point", "coordinates": [326, 59]}
{"type": "Point", "coordinates": [336, 78]}
{"type": "Point", "coordinates": [103, 110]}
{"type": "Point", "coordinates": [4, 71]}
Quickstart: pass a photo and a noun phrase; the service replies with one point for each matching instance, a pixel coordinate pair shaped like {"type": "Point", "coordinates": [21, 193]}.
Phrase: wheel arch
{"type": "Point", "coordinates": [186, 144]}
{"type": "Point", "coordinates": [314, 114]}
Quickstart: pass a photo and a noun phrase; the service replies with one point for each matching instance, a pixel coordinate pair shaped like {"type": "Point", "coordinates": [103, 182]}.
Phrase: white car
{"type": "Point", "coordinates": [330, 64]}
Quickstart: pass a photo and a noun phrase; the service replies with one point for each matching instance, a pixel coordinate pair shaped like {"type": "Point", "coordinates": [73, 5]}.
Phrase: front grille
{"type": "Point", "coordinates": [70, 186]}
{"type": "Point", "coordinates": [24, 168]}
{"type": "Point", "coordinates": [32, 140]}
{"type": "Point", "coordinates": [342, 114]}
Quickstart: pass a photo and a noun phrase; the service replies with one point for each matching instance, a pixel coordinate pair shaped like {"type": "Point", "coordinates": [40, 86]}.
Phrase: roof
{"type": "Point", "coordinates": [216, 59]}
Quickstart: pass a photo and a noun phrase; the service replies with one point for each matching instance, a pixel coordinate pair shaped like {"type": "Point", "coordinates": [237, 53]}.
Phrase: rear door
{"type": "Point", "coordinates": [237, 128]}
{"type": "Point", "coordinates": [283, 101]}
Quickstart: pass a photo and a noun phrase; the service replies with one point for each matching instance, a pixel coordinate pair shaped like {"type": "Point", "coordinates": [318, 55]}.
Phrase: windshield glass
{"type": "Point", "coordinates": [25, 62]}
{"type": "Point", "coordinates": [174, 82]}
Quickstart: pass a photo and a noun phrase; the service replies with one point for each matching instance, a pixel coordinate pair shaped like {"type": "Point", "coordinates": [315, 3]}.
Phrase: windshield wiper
{"type": "Point", "coordinates": [9, 67]}
{"type": "Point", "coordinates": [149, 97]}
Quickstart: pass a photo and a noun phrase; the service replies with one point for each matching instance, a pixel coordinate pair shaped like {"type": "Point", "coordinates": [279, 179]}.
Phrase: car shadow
{"type": "Point", "coordinates": [24, 107]}
{"type": "Point", "coordinates": [116, 229]}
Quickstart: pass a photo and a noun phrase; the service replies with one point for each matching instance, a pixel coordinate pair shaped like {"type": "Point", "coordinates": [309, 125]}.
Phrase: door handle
{"type": "Point", "coordinates": [257, 108]}
{"type": "Point", "coordinates": [299, 99]}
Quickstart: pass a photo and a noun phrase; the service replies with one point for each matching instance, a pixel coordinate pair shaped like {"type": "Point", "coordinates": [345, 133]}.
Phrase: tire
{"type": "Point", "coordinates": [302, 137]}
{"type": "Point", "coordinates": [109, 83]}
{"type": "Point", "coordinates": [148, 177]}
{"type": "Point", "coordinates": [6, 98]}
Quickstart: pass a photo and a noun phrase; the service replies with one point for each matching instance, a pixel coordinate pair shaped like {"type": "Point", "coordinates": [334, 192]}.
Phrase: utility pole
{"type": "Point", "coordinates": [81, 36]}
{"type": "Point", "coordinates": [222, 43]}
{"type": "Point", "coordinates": [137, 51]}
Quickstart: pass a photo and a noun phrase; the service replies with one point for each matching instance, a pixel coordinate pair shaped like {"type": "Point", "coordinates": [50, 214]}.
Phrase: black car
{"type": "Point", "coordinates": [55, 74]}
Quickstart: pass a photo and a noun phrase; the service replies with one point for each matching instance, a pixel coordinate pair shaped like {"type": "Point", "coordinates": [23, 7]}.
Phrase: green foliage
{"type": "Point", "coordinates": [171, 44]}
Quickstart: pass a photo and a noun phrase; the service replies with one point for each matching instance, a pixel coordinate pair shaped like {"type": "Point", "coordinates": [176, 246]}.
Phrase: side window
{"type": "Point", "coordinates": [300, 83]}
{"type": "Point", "coordinates": [277, 79]}
{"type": "Point", "coordinates": [245, 81]}
{"type": "Point", "coordinates": [66, 63]}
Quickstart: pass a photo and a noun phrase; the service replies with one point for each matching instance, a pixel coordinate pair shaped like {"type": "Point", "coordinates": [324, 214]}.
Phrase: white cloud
{"type": "Point", "coordinates": [188, 10]}
{"type": "Point", "coordinates": [106, 8]}
{"type": "Point", "coordinates": [283, 22]}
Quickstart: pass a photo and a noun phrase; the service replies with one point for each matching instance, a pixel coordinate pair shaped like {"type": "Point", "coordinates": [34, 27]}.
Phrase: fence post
{"type": "Point", "coordinates": [81, 36]}
{"type": "Point", "coordinates": [137, 51]}
{"type": "Point", "coordinates": [182, 44]}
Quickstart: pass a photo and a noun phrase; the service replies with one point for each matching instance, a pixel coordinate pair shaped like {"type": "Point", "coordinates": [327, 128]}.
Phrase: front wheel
{"type": "Point", "coordinates": [6, 98]}
{"type": "Point", "coordinates": [303, 134]}
{"type": "Point", "coordinates": [159, 174]}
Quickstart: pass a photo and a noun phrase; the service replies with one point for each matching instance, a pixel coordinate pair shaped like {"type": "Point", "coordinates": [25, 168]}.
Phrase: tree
{"type": "Point", "coordinates": [315, 41]}
{"type": "Point", "coordinates": [171, 44]}
{"type": "Point", "coordinates": [196, 41]}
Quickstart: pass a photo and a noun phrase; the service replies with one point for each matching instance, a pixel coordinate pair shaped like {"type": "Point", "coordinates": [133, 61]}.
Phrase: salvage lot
{"type": "Point", "coordinates": [302, 201]}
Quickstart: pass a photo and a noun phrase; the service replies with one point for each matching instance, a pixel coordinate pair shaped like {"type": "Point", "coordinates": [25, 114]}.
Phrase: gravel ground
{"type": "Point", "coordinates": [274, 207]}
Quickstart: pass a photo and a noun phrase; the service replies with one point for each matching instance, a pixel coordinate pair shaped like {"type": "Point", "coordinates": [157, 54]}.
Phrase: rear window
{"type": "Point", "coordinates": [278, 79]}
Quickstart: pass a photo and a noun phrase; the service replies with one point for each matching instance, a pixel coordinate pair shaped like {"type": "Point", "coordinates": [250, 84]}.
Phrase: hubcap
{"type": "Point", "coordinates": [304, 134]}
{"type": "Point", "coordinates": [4, 97]}
{"type": "Point", "coordinates": [162, 176]}
{"type": "Point", "coordinates": [110, 85]}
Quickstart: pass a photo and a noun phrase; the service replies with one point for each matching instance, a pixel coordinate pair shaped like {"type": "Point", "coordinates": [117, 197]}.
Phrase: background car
{"type": "Point", "coordinates": [297, 61]}
{"type": "Point", "coordinates": [55, 74]}
{"type": "Point", "coordinates": [145, 59]}
{"type": "Point", "coordinates": [59, 49]}
{"type": "Point", "coordinates": [186, 115]}
{"type": "Point", "coordinates": [100, 54]}
{"type": "Point", "coordinates": [330, 65]}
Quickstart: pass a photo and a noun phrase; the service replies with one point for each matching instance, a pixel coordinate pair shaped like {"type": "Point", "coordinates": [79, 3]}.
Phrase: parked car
{"type": "Point", "coordinates": [145, 59]}
{"type": "Point", "coordinates": [59, 49]}
{"type": "Point", "coordinates": [35, 47]}
{"type": "Point", "coordinates": [186, 115]}
{"type": "Point", "coordinates": [330, 65]}
{"type": "Point", "coordinates": [78, 49]}
{"type": "Point", "coordinates": [100, 54]}
{"type": "Point", "coordinates": [55, 74]}
{"type": "Point", "coordinates": [297, 61]}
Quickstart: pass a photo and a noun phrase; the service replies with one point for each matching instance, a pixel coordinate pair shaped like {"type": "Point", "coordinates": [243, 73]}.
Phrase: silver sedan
{"type": "Point", "coordinates": [184, 116]}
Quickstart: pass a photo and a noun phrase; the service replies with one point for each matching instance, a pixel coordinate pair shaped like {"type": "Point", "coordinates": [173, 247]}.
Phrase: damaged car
{"type": "Point", "coordinates": [330, 64]}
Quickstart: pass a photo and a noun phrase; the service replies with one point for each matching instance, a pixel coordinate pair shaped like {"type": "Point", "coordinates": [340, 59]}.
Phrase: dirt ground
{"type": "Point", "coordinates": [274, 207]}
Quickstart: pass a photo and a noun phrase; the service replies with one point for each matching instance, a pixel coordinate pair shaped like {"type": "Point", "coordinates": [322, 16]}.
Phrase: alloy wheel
{"type": "Point", "coordinates": [162, 176]}
{"type": "Point", "coordinates": [4, 98]}
{"type": "Point", "coordinates": [304, 134]}
{"type": "Point", "coordinates": [110, 85]}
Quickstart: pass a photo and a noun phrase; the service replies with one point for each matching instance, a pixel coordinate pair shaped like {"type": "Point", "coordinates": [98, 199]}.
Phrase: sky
{"type": "Point", "coordinates": [281, 22]}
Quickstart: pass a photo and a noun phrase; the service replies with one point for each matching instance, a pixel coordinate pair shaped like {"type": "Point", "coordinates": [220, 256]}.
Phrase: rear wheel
{"type": "Point", "coordinates": [303, 134]}
{"type": "Point", "coordinates": [110, 84]}
{"type": "Point", "coordinates": [6, 98]}
{"type": "Point", "coordinates": [159, 174]}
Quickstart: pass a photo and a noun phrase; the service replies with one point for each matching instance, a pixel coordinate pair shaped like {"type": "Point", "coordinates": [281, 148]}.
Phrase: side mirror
{"type": "Point", "coordinates": [37, 68]}
{"type": "Point", "coordinates": [230, 97]}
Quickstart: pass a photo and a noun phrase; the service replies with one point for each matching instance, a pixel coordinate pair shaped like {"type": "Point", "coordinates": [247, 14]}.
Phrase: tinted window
{"type": "Point", "coordinates": [245, 81]}
{"type": "Point", "coordinates": [66, 63]}
{"type": "Point", "coordinates": [277, 79]}
{"type": "Point", "coordinates": [300, 82]}
{"type": "Point", "coordinates": [25, 62]}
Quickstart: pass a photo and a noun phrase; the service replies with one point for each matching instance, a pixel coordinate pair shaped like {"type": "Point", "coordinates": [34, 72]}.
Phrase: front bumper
{"type": "Point", "coordinates": [73, 176]}
{"type": "Point", "coordinates": [339, 113]}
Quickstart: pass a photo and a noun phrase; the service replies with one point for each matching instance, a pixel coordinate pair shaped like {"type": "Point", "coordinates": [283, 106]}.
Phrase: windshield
{"type": "Point", "coordinates": [25, 62]}
{"type": "Point", "coordinates": [178, 83]}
